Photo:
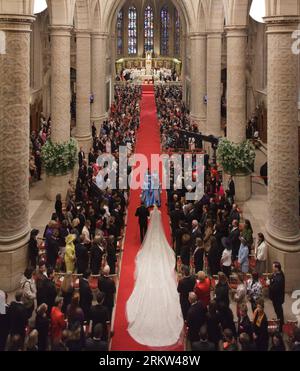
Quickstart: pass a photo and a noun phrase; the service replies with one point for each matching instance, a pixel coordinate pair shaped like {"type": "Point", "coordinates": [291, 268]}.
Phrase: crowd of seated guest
{"type": "Point", "coordinates": [53, 310]}
{"type": "Point", "coordinates": [211, 239]}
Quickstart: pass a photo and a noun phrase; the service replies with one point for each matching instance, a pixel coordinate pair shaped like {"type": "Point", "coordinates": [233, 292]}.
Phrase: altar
{"type": "Point", "coordinates": [148, 68]}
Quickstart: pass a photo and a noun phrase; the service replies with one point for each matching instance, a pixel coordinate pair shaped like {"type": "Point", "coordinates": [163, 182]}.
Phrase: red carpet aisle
{"type": "Point", "coordinates": [148, 142]}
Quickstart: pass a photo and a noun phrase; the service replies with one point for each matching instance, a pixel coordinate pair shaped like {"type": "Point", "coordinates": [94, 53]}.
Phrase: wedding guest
{"type": "Point", "coordinates": [222, 290]}
{"type": "Point", "coordinates": [199, 255]}
{"type": "Point", "coordinates": [67, 291]}
{"type": "Point", "coordinates": [108, 287]}
{"type": "Point", "coordinates": [261, 254]}
{"type": "Point", "coordinates": [97, 252]}
{"type": "Point", "coordinates": [243, 256]}
{"type": "Point", "coordinates": [99, 314]}
{"type": "Point", "coordinates": [42, 324]}
{"type": "Point", "coordinates": [202, 288]}
{"type": "Point", "coordinates": [277, 292]}
{"type": "Point", "coordinates": [4, 320]}
{"type": "Point", "coordinates": [203, 345]}
{"type": "Point", "coordinates": [185, 285]}
{"type": "Point", "coordinates": [226, 259]}
{"type": "Point", "coordinates": [277, 343]}
{"type": "Point", "coordinates": [254, 290]}
{"type": "Point", "coordinates": [96, 344]}
{"type": "Point", "coordinates": [86, 296]}
{"type": "Point", "coordinates": [240, 293]}
{"type": "Point", "coordinates": [196, 317]}
{"type": "Point", "coordinates": [33, 250]}
{"type": "Point", "coordinates": [260, 327]}
{"type": "Point", "coordinates": [70, 253]}
{"type": "Point", "coordinates": [58, 323]}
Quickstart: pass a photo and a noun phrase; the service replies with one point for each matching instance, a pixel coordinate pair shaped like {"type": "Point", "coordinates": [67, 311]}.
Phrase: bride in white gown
{"type": "Point", "coordinates": [153, 309]}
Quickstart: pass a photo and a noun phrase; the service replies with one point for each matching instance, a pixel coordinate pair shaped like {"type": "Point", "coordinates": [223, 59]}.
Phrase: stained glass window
{"type": "Point", "coordinates": [177, 33]}
{"type": "Point", "coordinates": [120, 23]}
{"type": "Point", "coordinates": [149, 29]}
{"type": "Point", "coordinates": [132, 30]}
{"type": "Point", "coordinates": [164, 31]}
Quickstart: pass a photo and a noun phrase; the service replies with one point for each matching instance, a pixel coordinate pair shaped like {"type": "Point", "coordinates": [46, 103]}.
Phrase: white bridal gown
{"type": "Point", "coordinates": [153, 309]}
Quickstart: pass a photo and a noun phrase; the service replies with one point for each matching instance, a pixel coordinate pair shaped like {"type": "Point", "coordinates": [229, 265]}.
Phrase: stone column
{"type": "Point", "coordinates": [198, 79]}
{"type": "Point", "coordinates": [14, 147]}
{"type": "Point", "coordinates": [98, 77]}
{"type": "Point", "coordinates": [60, 101]}
{"type": "Point", "coordinates": [60, 83]}
{"type": "Point", "coordinates": [236, 83]}
{"type": "Point", "coordinates": [214, 66]}
{"type": "Point", "coordinates": [237, 99]}
{"type": "Point", "coordinates": [83, 89]}
{"type": "Point", "coordinates": [283, 234]}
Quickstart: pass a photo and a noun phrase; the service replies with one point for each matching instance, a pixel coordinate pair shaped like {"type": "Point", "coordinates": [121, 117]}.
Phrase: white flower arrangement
{"type": "Point", "coordinates": [236, 158]}
{"type": "Point", "coordinates": [59, 159]}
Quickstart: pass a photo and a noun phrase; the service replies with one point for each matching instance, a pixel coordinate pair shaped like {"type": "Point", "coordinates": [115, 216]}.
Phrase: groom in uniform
{"type": "Point", "coordinates": [143, 214]}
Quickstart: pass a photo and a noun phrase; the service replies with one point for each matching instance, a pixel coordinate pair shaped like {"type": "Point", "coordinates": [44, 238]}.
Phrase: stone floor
{"type": "Point", "coordinates": [255, 209]}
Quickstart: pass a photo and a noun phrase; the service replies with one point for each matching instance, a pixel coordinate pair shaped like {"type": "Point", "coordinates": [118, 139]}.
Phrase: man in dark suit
{"type": "Point", "coordinates": [18, 315]}
{"type": "Point", "coordinates": [175, 217]}
{"type": "Point", "coordinates": [143, 214]}
{"type": "Point", "coordinates": [96, 344]}
{"type": "Point", "coordinates": [203, 345]}
{"type": "Point", "coordinates": [81, 156]}
{"type": "Point", "coordinates": [234, 237]}
{"type": "Point", "coordinates": [86, 296]}
{"type": "Point", "coordinates": [38, 164]}
{"type": "Point", "coordinates": [49, 288]}
{"type": "Point", "coordinates": [277, 292]}
{"type": "Point", "coordinates": [179, 232]}
{"type": "Point", "coordinates": [82, 256]}
{"type": "Point", "coordinates": [99, 314]}
{"type": "Point", "coordinates": [92, 157]}
{"type": "Point", "coordinates": [108, 287]}
{"type": "Point", "coordinates": [185, 286]}
{"type": "Point", "coordinates": [231, 189]}
{"type": "Point", "coordinates": [196, 317]}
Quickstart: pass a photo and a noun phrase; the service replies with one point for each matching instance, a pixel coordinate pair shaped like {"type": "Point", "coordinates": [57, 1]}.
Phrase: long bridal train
{"type": "Point", "coordinates": [153, 309]}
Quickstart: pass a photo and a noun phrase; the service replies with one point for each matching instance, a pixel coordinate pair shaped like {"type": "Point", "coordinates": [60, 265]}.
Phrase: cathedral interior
{"type": "Point", "coordinates": [64, 60]}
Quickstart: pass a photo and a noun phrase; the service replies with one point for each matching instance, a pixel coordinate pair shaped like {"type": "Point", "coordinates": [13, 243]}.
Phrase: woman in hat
{"type": "Point", "coordinates": [70, 253]}
{"type": "Point", "coordinates": [33, 250]}
{"type": "Point", "coordinates": [226, 259]}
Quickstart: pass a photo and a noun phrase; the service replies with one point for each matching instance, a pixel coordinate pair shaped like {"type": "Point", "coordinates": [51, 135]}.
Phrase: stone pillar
{"type": "Point", "coordinates": [198, 79]}
{"type": "Point", "coordinates": [214, 66]}
{"type": "Point", "coordinates": [283, 234]}
{"type": "Point", "coordinates": [60, 83]}
{"type": "Point", "coordinates": [237, 99]}
{"type": "Point", "coordinates": [83, 89]}
{"type": "Point", "coordinates": [14, 147]}
{"type": "Point", "coordinates": [98, 77]}
{"type": "Point", "coordinates": [60, 101]}
{"type": "Point", "coordinates": [236, 83]}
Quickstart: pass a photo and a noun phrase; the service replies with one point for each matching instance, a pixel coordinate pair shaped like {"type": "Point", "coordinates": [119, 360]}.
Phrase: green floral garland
{"type": "Point", "coordinates": [236, 158]}
{"type": "Point", "coordinates": [59, 159]}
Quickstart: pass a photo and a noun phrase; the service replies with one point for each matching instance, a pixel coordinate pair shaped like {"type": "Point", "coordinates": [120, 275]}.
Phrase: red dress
{"type": "Point", "coordinates": [58, 323]}
{"type": "Point", "coordinates": [202, 290]}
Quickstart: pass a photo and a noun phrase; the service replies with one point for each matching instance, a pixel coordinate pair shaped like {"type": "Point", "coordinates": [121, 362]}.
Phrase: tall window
{"type": "Point", "coordinates": [164, 31]}
{"type": "Point", "coordinates": [120, 23]}
{"type": "Point", "coordinates": [132, 30]}
{"type": "Point", "coordinates": [177, 33]}
{"type": "Point", "coordinates": [149, 29]}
